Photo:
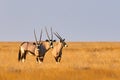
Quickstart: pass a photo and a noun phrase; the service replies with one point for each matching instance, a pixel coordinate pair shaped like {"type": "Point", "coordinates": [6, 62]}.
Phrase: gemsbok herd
{"type": "Point", "coordinates": [40, 48]}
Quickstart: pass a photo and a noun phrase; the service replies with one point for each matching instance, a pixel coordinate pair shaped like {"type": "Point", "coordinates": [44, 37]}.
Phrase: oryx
{"type": "Point", "coordinates": [37, 48]}
{"type": "Point", "coordinates": [57, 50]}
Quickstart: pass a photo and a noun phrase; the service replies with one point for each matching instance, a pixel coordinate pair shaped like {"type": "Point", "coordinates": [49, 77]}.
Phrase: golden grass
{"type": "Point", "coordinates": [80, 61]}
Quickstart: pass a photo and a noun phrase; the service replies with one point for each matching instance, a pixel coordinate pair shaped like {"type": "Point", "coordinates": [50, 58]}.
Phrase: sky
{"type": "Point", "coordinates": [74, 20]}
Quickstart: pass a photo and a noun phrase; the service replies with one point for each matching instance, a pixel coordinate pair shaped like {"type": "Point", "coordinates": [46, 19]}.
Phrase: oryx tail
{"type": "Point", "coordinates": [19, 55]}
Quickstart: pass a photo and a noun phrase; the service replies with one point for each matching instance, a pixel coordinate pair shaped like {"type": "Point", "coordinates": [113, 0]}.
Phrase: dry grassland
{"type": "Point", "coordinates": [80, 61]}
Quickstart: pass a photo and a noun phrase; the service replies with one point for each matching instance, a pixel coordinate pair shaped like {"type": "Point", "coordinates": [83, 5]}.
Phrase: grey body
{"type": "Point", "coordinates": [57, 50]}
{"type": "Point", "coordinates": [34, 49]}
{"type": "Point", "coordinates": [38, 48]}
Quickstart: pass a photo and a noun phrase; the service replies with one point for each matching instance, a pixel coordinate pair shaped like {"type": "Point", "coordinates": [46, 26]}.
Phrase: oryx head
{"type": "Point", "coordinates": [61, 40]}
{"type": "Point", "coordinates": [50, 40]}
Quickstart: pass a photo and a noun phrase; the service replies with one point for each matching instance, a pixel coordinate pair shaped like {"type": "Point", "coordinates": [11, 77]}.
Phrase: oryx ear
{"type": "Point", "coordinates": [47, 40]}
{"type": "Point", "coordinates": [34, 43]}
{"type": "Point", "coordinates": [54, 40]}
{"type": "Point", "coordinates": [64, 39]}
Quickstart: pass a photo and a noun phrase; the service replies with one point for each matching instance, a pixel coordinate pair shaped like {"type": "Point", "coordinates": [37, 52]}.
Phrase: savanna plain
{"type": "Point", "coordinates": [80, 61]}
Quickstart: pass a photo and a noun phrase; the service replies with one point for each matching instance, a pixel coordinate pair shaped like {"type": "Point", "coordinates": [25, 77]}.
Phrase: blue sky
{"type": "Point", "coordinates": [74, 20]}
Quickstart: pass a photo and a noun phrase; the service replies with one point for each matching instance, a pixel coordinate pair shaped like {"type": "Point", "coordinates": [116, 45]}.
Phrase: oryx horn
{"type": "Point", "coordinates": [58, 35]}
{"type": "Point", "coordinates": [51, 34]}
{"type": "Point", "coordinates": [47, 33]}
{"type": "Point", "coordinates": [40, 36]}
{"type": "Point", "coordinates": [35, 37]}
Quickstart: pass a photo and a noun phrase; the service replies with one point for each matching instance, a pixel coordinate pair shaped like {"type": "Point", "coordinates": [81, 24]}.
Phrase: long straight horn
{"type": "Point", "coordinates": [58, 36]}
{"type": "Point", "coordinates": [47, 33]}
{"type": "Point", "coordinates": [35, 37]}
{"type": "Point", "coordinates": [51, 34]}
{"type": "Point", "coordinates": [40, 36]}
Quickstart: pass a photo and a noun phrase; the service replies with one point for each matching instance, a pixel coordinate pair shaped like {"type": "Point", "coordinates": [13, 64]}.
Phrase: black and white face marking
{"type": "Point", "coordinates": [64, 43]}
{"type": "Point", "coordinates": [38, 46]}
{"type": "Point", "coordinates": [50, 43]}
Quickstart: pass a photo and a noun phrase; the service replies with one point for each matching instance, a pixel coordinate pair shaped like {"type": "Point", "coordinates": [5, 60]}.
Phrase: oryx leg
{"type": "Point", "coordinates": [23, 57]}
{"type": "Point", "coordinates": [39, 59]}
{"type": "Point", "coordinates": [58, 58]}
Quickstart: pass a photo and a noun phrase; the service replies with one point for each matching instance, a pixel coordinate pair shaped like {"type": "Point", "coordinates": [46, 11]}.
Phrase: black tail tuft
{"type": "Point", "coordinates": [19, 55]}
